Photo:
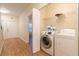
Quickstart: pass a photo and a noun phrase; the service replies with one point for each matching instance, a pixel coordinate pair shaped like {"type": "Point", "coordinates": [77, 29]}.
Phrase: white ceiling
{"type": "Point", "coordinates": [18, 8]}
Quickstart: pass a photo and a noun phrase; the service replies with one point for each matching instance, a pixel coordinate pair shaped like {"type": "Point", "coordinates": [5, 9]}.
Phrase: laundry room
{"type": "Point", "coordinates": [39, 29]}
{"type": "Point", "coordinates": [63, 17]}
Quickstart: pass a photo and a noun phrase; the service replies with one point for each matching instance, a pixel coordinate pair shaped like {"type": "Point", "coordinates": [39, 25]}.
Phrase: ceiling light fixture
{"type": "Point", "coordinates": [4, 10]}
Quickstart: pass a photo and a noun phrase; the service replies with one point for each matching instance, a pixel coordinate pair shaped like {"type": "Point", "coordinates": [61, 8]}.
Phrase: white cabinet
{"type": "Point", "coordinates": [64, 46]}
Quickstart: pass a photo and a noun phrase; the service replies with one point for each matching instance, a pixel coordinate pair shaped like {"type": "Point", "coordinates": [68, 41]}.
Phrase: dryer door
{"type": "Point", "coordinates": [46, 41]}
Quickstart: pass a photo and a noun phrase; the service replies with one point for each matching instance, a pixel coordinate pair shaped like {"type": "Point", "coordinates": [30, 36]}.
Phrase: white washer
{"type": "Point", "coordinates": [47, 42]}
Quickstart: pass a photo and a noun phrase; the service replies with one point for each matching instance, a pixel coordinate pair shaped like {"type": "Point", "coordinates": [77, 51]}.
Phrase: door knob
{"type": "Point", "coordinates": [7, 30]}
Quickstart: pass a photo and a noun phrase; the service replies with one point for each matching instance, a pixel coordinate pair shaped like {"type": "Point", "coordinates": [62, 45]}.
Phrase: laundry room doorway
{"type": "Point", "coordinates": [30, 31]}
{"type": "Point", "coordinates": [34, 30]}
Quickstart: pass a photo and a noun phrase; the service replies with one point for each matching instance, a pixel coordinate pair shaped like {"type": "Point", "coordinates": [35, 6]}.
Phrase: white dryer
{"type": "Point", "coordinates": [47, 42]}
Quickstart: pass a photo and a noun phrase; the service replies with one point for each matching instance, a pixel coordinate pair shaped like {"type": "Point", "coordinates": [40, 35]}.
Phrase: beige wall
{"type": "Point", "coordinates": [48, 16]}
{"type": "Point", "coordinates": [23, 27]}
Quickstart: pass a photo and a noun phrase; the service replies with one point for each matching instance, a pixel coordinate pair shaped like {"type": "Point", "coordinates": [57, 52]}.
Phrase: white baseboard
{"type": "Point", "coordinates": [24, 40]}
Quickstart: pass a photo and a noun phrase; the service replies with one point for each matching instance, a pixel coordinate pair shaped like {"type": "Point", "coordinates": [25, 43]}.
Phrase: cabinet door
{"type": "Point", "coordinates": [36, 30]}
{"type": "Point", "coordinates": [64, 47]}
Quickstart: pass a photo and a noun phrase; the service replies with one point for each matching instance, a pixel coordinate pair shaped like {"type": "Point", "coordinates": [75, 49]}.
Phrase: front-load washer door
{"type": "Point", "coordinates": [46, 41]}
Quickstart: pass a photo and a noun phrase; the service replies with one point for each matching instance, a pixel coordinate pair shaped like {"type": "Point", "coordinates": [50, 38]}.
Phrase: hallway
{"type": "Point", "coordinates": [17, 47]}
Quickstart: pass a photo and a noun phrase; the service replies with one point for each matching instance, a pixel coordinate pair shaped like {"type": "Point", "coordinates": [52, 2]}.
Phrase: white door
{"type": "Point", "coordinates": [36, 30]}
{"type": "Point", "coordinates": [1, 31]}
{"type": "Point", "coordinates": [10, 29]}
{"type": "Point", "coordinates": [1, 37]}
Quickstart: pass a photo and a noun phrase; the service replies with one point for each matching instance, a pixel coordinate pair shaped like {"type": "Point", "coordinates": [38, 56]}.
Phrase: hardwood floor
{"type": "Point", "coordinates": [40, 53]}
{"type": "Point", "coordinates": [17, 47]}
